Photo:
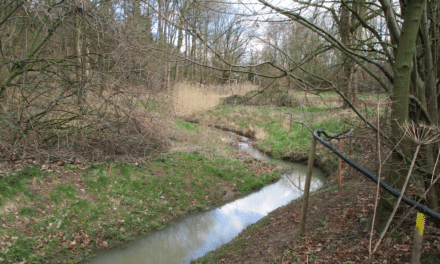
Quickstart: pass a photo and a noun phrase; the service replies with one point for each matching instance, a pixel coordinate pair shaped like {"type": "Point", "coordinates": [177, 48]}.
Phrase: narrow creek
{"type": "Point", "coordinates": [197, 234]}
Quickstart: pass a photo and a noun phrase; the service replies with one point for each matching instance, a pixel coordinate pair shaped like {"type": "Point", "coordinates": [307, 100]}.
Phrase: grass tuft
{"type": "Point", "coordinates": [26, 211]}
{"type": "Point", "coordinates": [20, 249]}
{"type": "Point", "coordinates": [15, 183]}
{"type": "Point", "coordinates": [182, 125]}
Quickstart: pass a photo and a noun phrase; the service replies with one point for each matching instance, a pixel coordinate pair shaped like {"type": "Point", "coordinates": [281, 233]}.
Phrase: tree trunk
{"type": "Point", "coordinates": [429, 65]}
{"type": "Point", "coordinates": [399, 108]}
{"type": "Point", "coordinates": [347, 66]}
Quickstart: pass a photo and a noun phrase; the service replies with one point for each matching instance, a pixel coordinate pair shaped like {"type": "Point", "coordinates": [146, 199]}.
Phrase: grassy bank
{"type": "Point", "coordinates": [275, 134]}
{"type": "Point", "coordinates": [66, 213]}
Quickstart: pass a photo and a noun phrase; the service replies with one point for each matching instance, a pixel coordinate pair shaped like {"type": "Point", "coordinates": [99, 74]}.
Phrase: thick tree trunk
{"type": "Point", "coordinates": [429, 102]}
{"type": "Point", "coordinates": [347, 66]}
{"type": "Point", "coordinates": [429, 65]}
{"type": "Point", "coordinates": [400, 96]}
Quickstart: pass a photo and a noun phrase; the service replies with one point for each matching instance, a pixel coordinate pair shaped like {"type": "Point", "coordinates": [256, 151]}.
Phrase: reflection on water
{"type": "Point", "coordinates": [200, 233]}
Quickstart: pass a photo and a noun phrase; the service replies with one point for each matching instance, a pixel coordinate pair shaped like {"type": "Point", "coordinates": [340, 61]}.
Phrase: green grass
{"type": "Point", "coordinates": [26, 211]}
{"type": "Point", "coordinates": [371, 96]}
{"type": "Point", "coordinates": [182, 125]}
{"type": "Point", "coordinates": [68, 191]}
{"type": "Point", "coordinates": [80, 206]}
{"type": "Point", "coordinates": [283, 140]}
{"type": "Point", "coordinates": [326, 96]}
{"type": "Point", "coordinates": [15, 183]}
{"type": "Point", "coordinates": [289, 142]}
{"type": "Point", "coordinates": [335, 96]}
{"type": "Point", "coordinates": [22, 247]}
{"type": "Point", "coordinates": [69, 167]}
{"type": "Point", "coordinates": [310, 109]}
{"type": "Point", "coordinates": [149, 105]}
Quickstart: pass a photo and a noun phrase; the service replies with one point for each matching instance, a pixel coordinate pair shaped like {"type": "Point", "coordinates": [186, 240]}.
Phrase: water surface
{"type": "Point", "coordinates": [197, 234]}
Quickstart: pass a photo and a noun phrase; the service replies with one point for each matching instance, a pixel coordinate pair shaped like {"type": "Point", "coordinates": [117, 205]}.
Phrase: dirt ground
{"type": "Point", "coordinates": [336, 232]}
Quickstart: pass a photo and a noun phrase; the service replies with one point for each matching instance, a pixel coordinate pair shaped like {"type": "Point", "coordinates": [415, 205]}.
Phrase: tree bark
{"type": "Point", "coordinates": [399, 108]}
{"type": "Point", "coordinates": [429, 65]}
{"type": "Point", "coordinates": [345, 33]}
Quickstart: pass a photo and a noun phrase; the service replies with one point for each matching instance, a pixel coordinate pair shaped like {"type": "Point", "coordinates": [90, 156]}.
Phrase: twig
{"type": "Point", "coordinates": [435, 166]}
{"type": "Point", "coordinates": [398, 201]}
{"type": "Point", "coordinates": [379, 173]}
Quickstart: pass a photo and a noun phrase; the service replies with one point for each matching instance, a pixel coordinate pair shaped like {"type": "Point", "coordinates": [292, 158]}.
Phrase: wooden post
{"type": "Point", "coordinates": [418, 237]}
{"type": "Point", "coordinates": [339, 170]}
{"type": "Point", "coordinates": [307, 186]}
{"type": "Point", "coordinates": [302, 127]}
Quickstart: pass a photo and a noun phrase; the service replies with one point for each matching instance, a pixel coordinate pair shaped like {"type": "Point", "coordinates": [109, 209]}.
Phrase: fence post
{"type": "Point", "coordinates": [418, 237]}
{"type": "Point", "coordinates": [339, 170]}
{"type": "Point", "coordinates": [302, 127]}
{"type": "Point", "coordinates": [307, 186]}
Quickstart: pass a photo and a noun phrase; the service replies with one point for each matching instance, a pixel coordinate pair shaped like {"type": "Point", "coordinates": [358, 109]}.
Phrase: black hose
{"type": "Point", "coordinates": [420, 207]}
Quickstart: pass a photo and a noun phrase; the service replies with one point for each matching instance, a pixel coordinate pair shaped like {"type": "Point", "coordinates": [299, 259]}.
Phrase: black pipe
{"type": "Point", "coordinates": [420, 207]}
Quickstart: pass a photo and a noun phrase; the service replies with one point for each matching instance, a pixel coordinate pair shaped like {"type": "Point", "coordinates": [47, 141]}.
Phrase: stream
{"type": "Point", "coordinates": [197, 234]}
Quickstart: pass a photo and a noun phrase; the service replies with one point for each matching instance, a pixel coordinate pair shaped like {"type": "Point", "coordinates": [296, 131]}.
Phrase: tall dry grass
{"type": "Point", "coordinates": [189, 98]}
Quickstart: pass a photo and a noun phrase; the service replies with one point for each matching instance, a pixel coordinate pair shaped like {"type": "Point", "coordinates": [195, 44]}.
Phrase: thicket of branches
{"type": "Point", "coordinates": [72, 78]}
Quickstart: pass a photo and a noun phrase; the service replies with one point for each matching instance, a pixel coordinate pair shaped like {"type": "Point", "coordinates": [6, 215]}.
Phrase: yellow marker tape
{"type": "Point", "coordinates": [420, 222]}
